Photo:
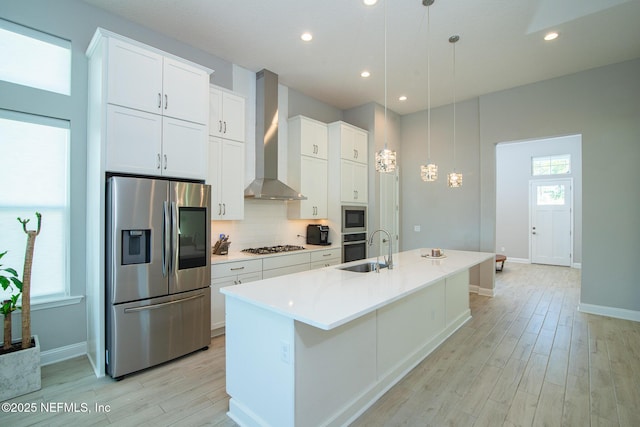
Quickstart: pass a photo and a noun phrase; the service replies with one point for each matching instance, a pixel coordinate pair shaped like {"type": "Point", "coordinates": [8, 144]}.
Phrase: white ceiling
{"type": "Point", "coordinates": [500, 45]}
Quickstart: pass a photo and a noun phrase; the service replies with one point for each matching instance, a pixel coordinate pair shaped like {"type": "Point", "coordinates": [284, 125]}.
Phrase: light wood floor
{"type": "Point", "coordinates": [527, 357]}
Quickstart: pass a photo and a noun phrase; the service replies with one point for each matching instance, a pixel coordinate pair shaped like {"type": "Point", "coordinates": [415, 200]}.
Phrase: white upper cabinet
{"type": "Point", "coordinates": [184, 149]}
{"type": "Point", "coordinates": [308, 167]}
{"type": "Point", "coordinates": [353, 143]}
{"type": "Point", "coordinates": [146, 80]}
{"type": "Point", "coordinates": [185, 92]}
{"type": "Point", "coordinates": [134, 77]}
{"type": "Point", "coordinates": [157, 109]}
{"type": "Point", "coordinates": [310, 135]}
{"type": "Point", "coordinates": [226, 114]}
{"type": "Point", "coordinates": [352, 171]}
{"type": "Point", "coordinates": [133, 141]}
{"type": "Point", "coordinates": [226, 177]}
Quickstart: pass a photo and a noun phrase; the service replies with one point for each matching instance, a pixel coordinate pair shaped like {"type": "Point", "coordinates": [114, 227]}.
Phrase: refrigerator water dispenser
{"type": "Point", "coordinates": [136, 247]}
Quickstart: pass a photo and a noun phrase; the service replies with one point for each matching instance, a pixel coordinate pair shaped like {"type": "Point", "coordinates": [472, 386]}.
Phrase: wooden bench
{"type": "Point", "coordinates": [500, 259]}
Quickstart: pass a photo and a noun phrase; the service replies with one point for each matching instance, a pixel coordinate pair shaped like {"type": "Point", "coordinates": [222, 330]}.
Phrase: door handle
{"type": "Point", "coordinates": [166, 101]}
{"type": "Point", "coordinates": [384, 240]}
{"type": "Point", "coordinates": [224, 209]}
{"type": "Point", "coordinates": [166, 241]}
{"type": "Point", "coordinates": [159, 100]}
{"type": "Point", "coordinates": [162, 304]}
{"type": "Point", "coordinates": [165, 162]}
{"type": "Point", "coordinates": [533, 232]}
{"type": "Point", "coordinates": [225, 127]}
{"type": "Point", "coordinates": [158, 162]}
{"type": "Point", "coordinates": [219, 209]}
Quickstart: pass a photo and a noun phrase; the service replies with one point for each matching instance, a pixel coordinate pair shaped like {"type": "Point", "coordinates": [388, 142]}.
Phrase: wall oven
{"type": "Point", "coordinates": [354, 219]}
{"type": "Point", "coordinates": [354, 246]}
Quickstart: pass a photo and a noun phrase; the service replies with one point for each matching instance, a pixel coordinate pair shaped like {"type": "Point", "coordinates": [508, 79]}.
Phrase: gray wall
{"type": "Point", "coordinates": [603, 105]}
{"type": "Point", "coordinates": [513, 175]}
{"type": "Point", "coordinates": [447, 217]}
{"type": "Point", "coordinates": [76, 21]}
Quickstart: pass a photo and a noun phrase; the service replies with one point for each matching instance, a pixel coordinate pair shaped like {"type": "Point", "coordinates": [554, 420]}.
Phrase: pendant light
{"type": "Point", "coordinates": [454, 179]}
{"type": "Point", "coordinates": [428, 172]}
{"type": "Point", "coordinates": [385, 158]}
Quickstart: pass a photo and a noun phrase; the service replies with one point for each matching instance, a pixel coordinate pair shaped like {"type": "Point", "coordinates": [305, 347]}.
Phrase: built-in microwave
{"type": "Point", "coordinates": [354, 219]}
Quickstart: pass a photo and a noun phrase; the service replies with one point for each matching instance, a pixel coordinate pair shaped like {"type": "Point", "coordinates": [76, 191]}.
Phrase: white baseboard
{"type": "Point", "coordinates": [63, 353]}
{"type": "Point", "coordinates": [475, 289]}
{"type": "Point", "coordinates": [519, 260]}
{"type": "Point", "coordinates": [577, 265]}
{"type": "Point", "coordinates": [618, 313]}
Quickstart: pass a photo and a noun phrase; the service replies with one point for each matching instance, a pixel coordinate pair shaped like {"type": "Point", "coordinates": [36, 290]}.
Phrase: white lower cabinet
{"type": "Point", "coordinates": [285, 264]}
{"type": "Point", "coordinates": [230, 274]}
{"type": "Point", "coordinates": [325, 258]}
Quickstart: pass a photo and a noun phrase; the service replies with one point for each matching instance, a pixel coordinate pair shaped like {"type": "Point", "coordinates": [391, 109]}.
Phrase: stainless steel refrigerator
{"type": "Point", "coordinates": [158, 271]}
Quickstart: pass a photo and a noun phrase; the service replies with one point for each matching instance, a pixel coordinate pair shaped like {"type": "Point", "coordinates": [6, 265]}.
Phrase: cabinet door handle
{"type": "Point", "coordinates": [159, 100]}
{"type": "Point", "coordinates": [235, 282]}
{"type": "Point", "coordinates": [165, 162]}
{"type": "Point", "coordinates": [158, 162]}
{"type": "Point", "coordinates": [219, 209]}
{"type": "Point", "coordinates": [166, 101]}
{"type": "Point", "coordinates": [237, 268]}
{"type": "Point", "coordinates": [326, 255]}
{"type": "Point", "coordinates": [219, 126]}
{"type": "Point", "coordinates": [239, 282]}
{"type": "Point", "coordinates": [224, 209]}
{"type": "Point", "coordinates": [225, 127]}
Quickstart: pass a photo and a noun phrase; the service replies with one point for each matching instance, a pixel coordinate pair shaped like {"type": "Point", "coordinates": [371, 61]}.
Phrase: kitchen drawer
{"type": "Point", "coordinates": [275, 272]}
{"type": "Point", "coordinates": [234, 268]}
{"type": "Point", "coordinates": [326, 254]}
{"type": "Point", "coordinates": [324, 263]}
{"type": "Point", "coordinates": [270, 263]}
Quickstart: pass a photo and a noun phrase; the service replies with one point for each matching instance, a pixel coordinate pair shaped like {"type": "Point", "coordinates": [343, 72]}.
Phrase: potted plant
{"type": "Point", "coordinates": [19, 361]}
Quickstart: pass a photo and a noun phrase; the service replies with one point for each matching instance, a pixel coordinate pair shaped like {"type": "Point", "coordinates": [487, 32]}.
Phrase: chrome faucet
{"type": "Point", "coordinates": [389, 261]}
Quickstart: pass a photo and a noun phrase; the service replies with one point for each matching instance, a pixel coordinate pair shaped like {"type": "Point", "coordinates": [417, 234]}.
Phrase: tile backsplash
{"type": "Point", "coordinates": [265, 223]}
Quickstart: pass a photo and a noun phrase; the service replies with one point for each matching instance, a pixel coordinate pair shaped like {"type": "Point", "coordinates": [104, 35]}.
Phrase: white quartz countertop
{"type": "Point", "coordinates": [329, 297]}
{"type": "Point", "coordinates": [243, 256]}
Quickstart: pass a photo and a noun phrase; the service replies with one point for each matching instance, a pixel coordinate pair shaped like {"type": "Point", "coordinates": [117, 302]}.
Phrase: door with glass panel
{"type": "Point", "coordinates": [551, 221]}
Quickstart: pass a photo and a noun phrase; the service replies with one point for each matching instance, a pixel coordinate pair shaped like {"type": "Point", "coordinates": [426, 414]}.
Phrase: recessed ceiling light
{"type": "Point", "coordinates": [365, 73]}
{"type": "Point", "coordinates": [551, 36]}
{"type": "Point", "coordinates": [369, 2]}
{"type": "Point", "coordinates": [402, 98]}
{"type": "Point", "coordinates": [307, 37]}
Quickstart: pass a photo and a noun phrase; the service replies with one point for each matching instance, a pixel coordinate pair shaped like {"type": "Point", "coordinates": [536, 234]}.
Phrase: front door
{"type": "Point", "coordinates": [551, 222]}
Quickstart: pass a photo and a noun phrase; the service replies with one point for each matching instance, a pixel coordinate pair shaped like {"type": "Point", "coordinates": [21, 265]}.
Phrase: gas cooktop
{"type": "Point", "coordinates": [273, 249]}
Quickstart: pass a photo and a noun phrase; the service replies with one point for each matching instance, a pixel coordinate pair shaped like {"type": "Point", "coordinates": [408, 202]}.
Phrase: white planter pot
{"type": "Point", "coordinates": [20, 372]}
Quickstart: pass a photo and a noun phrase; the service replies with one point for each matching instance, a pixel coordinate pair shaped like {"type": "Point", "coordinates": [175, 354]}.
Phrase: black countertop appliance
{"type": "Point", "coordinates": [318, 234]}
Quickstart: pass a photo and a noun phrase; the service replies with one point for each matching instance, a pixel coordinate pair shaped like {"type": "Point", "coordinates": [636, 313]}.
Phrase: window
{"type": "Point", "coordinates": [551, 165]}
{"type": "Point", "coordinates": [35, 164]}
{"type": "Point", "coordinates": [33, 58]}
{"type": "Point", "coordinates": [549, 195]}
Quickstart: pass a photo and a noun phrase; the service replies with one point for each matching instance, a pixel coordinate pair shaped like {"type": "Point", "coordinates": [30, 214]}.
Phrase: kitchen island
{"type": "Point", "coordinates": [319, 347]}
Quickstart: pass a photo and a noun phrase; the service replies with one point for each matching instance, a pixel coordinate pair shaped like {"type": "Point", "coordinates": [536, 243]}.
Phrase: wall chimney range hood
{"type": "Point", "coordinates": [266, 186]}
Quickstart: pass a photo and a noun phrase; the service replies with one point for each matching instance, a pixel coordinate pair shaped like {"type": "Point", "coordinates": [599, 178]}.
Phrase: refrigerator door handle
{"type": "Point", "coordinates": [162, 304]}
{"type": "Point", "coordinates": [173, 264]}
{"type": "Point", "coordinates": [166, 244]}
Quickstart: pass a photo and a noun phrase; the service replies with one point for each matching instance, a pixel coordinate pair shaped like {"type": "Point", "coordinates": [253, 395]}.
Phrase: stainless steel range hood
{"type": "Point", "coordinates": [266, 186]}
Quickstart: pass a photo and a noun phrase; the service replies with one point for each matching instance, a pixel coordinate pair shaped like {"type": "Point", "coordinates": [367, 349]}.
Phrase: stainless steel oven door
{"type": "Point", "coordinates": [354, 247]}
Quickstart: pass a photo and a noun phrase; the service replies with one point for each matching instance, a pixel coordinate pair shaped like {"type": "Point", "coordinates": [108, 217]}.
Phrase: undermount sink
{"type": "Point", "coordinates": [364, 267]}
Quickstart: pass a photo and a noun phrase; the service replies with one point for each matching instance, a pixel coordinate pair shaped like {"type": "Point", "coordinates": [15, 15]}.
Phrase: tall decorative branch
{"type": "Point", "coordinates": [26, 280]}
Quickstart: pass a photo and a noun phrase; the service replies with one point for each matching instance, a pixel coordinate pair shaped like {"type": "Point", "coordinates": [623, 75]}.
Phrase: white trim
{"type": "Point", "coordinates": [577, 265]}
{"type": "Point", "coordinates": [475, 289]}
{"type": "Point", "coordinates": [59, 354]}
{"type": "Point", "coordinates": [519, 260]}
{"type": "Point", "coordinates": [53, 302]}
{"type": "Point", "coordinates": [618, 313]}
